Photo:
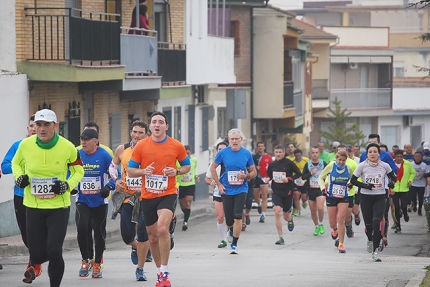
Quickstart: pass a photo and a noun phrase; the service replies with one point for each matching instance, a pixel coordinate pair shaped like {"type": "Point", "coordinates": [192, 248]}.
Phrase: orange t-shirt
{"type": "Point", "coordinates": [162, 154]}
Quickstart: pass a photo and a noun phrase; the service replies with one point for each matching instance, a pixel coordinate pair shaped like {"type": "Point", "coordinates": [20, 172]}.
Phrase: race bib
{"type": "Point", "coordinates": [278, 176]}
{"type": "Point", "coordinates": [133, 183]}
{"type": "Point", "coordinates": [216, 192]}
{"type": "Point", "coordinates": [338, 190]}
{"type": "Point", "coordinates": [233, 179]}
{"type": "Point", "coordinates": [374, 178]}
{"type": "Point", "coordinates": [156, 183]}
{"type": "Point", "coordinates": [90, 185]}
{"type": "Point", "coordinates": [187, 177]}
{"type": "Point", "coordinates": [41, 187]}
{"type": "Point", "coordinates": [313, 182]}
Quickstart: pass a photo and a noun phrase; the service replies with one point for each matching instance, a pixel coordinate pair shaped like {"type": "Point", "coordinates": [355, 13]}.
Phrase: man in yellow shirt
{"type": "Point", "coordinates": [299, 189]}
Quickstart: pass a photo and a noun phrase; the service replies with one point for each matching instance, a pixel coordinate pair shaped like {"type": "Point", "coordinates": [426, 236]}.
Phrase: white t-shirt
{"type": "Point", "coordinates": [420, 169]}
{"type": "Point", "coordinates": [373, 174]}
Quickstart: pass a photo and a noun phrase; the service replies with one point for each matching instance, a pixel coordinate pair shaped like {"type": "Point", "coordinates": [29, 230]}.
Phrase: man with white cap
{"type": "Point", "coordinates": [426, 153]}
{"type": "Point", "coordinates": [332, 156]}
{"type": "Point", "coordinates": [40, 166]}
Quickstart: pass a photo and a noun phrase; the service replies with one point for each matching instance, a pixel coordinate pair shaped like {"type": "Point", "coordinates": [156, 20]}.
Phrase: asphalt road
{"type": "Point", "coordinates": [305, 260]}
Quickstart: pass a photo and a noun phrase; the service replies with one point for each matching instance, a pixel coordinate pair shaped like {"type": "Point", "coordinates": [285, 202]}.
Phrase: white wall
{"type": "Point", "coordinates": [410, 99]}
{"type": "Point", "coordinates": [7, 36]}
{"type": "Point", "coordinates": [210, 59]}
{"type": "Point", "coordinates": [361, 36]}
{"type": "Point", "coordinates": [14, 111]}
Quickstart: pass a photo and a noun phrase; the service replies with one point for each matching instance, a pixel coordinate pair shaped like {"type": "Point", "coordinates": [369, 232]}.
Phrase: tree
{"type": "Point", "coordinates": [422, 4]}
{"type": "Point", "coordinates": [338, 131]}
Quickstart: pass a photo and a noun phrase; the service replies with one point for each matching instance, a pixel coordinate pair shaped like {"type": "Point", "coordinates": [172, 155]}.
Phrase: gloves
{"type": "Point", "coordinates": [59, 187]}
{"type": "Point", "coordinates": [391, 184]}
{"type": "Point", "coordinates": [22, 181]}
{"type": "Point", "coordinates": [74, 191]}
{"type": "Point", "coordinates": [105, 191]}
{"type": "Point", "coordinates": [369, 186]}
{"type": "Point", "coordinates": [350, 185]}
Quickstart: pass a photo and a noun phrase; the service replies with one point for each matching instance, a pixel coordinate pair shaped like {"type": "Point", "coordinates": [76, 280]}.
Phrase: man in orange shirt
{"type": "Point", "coordinates": [154, 159]}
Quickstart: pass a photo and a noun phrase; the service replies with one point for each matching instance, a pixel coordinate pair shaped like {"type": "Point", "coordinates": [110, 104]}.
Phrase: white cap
{"type": "Point", "coordinates": [335, 144]}
{"type": "Point", "coordinates": [45, 115]}
{"type": "Point", "coordinates": [426, 146]}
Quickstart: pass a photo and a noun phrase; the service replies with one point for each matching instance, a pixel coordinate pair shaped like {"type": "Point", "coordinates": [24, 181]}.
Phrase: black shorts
{"type": "Point", "coordinates": [189, 190]}
{"type": "Point", "coordinates": [313, 193]}
{"type": "Point", "coordinates": [217, 198]}
{"type": "Point", "coordinates": [151, 206]}
{"type": "Point", "coordinates": [302, 189]}
{"type": "Point", "coordinates": [331, 201]}
{"type": "Point", "coordinates": [258, 181]}
{"type": "Point", "coordinates": [283, 200]}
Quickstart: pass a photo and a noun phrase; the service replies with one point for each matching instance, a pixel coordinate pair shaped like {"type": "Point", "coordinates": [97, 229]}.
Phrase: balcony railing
{"type": "Point", "coordinates": [139, 52]}
{"type": "Point", "coordinates": [362, 98]}
{"type": "Point", "coordinates": [293, 99]}
{"type": "Point", "coordinates": [73, 36]}
{"type": "Point", "coordinates": [172, 62]}
{"type": "Point", "coordinates": [298, 103]}
{"type": "Point", "coordinates": [320, 90]}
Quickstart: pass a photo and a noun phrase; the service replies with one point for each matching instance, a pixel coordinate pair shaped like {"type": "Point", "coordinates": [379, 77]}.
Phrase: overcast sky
{"type": "Point", "coordinates": [288, 4]}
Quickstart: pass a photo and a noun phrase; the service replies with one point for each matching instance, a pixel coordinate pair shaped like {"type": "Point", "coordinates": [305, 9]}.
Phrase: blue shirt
{"type": "Point", "coordinates": [338, 181]}
{"type": "Point", "coordinates": [426, 157]}
{"type": "Point", "coordinates": [408, 157]}
{"type": "Point", "coordinates": [234, 161]}
{"type": "Point", "coordinates": [6, 166]}
{"type": "Point", "coordinates": [96, 167]}
{"type": "Point", "coordinates": [384, 156]}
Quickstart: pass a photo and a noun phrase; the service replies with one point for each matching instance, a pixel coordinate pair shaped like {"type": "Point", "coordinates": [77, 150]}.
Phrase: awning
{"type": "Point", "coordinates": [339, 60]}
{"type": "Point", "coordinates": [380, 59]}
{"type": "Point", "coordinates": [359, 59]}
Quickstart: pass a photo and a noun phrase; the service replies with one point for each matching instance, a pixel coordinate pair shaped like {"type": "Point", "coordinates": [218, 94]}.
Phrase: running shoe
{"type": "Point", "coordinates": [262, 218]}
{"type": "Point", "coordinates": [398, 230]}
{"type": "Point", "coordinates": [334, 234]}
{"type": "Point", "coordinates": [385, 241]}
{"type": "Point", "coordinates": [406, 217]}
{"type": "Point", "coordinates": [233, 249]}
{"type": "Point", "coordinates": [375, 257]}
{"type": "Point", "coordinates": [97, 272]}
{"type": "Point", "coordinates": [230, 235]}
{"type": "Point", "coordinates": [357, 219]}
{"type": "Point", "coordinates": [185, 226]}
{"type": "Point", "coordinates": [172, 241]}
{"type": "Point", "coordinates": [317, 230]}
{"type": "Point", "coordinates": [85, 268]}
{"type": "Point", "coordinates": [29, 274]}
{"type": "Point", "coordinates": [140, 274]}
{"type": "Point", "coordinates": [38, 269]}
{"type": "Point", "coordinates": [172, 225]}
{"type": "Point", "coordinates": [336, 242]}
{"type": "Point", "coordinates": [290, 224]}
{"type": "Point", "coordinates": [259, 209]}
{"type": "Point", "coordinates": [409, 209]}
{"type": "Point", "coordinates": [296, 212]}
{"type": "Point", "coordinates": [280, 241]}
{"type": "Point", "coordinates": [414, 209]}
{"type": "Point", "coordinates": [247, 219]}
{"type": "Point", "coordinates": [305, 204]}
{"type": "Point", "coordinates": [133, 256]}
{"type": "Point", "coordinates": [164, 280]}
{"type": "Point", "coordinates": [102, 262]}
{"type": "Point", "coordinates": [243, 226]}
{"type": "Point", "coordinates": [369, 246]}
{"type": "Point", "coordinates": [420, 213]}
{"type": "Point", "coordinates": [394, 226]}
{"type": "Point", "coordinates": [148, 256]}
{"type": "Point", "coordinates": [222, 244]}
{"type": "Point", "coordinates": [341, 248]}
{"type": "Point", "coordinates": [381, 245]}
{"type": "Point", "coordinates": [349, 231]}
{"type": "Point", "coordinates": [322, 229]}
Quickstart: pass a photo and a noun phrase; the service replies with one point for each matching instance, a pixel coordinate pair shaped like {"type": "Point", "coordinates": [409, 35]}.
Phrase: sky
{"type": "Point", "coordinates": [298, 4]}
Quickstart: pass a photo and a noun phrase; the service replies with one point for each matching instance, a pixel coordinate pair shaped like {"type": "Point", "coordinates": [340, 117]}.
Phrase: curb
{"type": "Point", "coordinates": [417, 279]}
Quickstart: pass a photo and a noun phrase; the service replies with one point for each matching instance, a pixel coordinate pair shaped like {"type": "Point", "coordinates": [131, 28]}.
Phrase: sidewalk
{"type": "Point", "coordinates": [13, 245]}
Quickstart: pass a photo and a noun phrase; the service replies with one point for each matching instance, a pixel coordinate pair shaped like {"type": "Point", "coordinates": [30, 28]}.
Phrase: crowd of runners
{"type": "Point", "coordinates": [146, 177]}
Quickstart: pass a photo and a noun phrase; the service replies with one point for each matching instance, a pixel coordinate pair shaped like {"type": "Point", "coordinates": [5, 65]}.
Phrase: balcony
{"type": "Point", "coordinates": [293, 99]}
{"type": "Point", "coordinates": [172, 61]}
{"type": "Point", "coordinates": [360, 99]}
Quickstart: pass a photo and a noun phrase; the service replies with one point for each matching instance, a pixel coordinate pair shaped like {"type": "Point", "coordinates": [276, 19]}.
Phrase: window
{"type": "Point", "coordinates": [416, 136]}
{"type": "Point", "coordinates": [235, 33]}
{"type": "Point", "coordinates": [399, 69]}
{"type": "Point", "coordinates": [160, 21]}
{"type": "Point", "coordinates": [113, 7]}
{"type": "Point", "coordinates": [224, 124]}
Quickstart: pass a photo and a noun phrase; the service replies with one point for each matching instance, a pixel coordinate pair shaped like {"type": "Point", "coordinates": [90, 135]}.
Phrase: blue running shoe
{"type": "Point", "coordinates": [262, 218]}
{"type": "Point", "coordinates": [291, 224]}
{"type": "Point", "coordinates": [233, 249]}
{"type": "Point", "coordinates": [134, 256]}
{"type": "Point", "coordinates": [140, 274]}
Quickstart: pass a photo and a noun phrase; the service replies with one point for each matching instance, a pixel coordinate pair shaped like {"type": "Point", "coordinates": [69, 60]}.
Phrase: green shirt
{"type": "Point", "coordinates": [43, 166]}
{"type": "Point", "coordinates": [324, 156]}
{"type": "Point", "coordinates": [190, 177]}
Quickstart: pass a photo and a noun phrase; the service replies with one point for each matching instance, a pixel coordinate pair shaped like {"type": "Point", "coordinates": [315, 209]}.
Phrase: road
{"type": "Point", "coordinates": [305, 260]}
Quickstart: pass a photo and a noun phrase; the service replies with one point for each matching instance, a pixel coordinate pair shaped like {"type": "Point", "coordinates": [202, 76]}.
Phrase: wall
{"type": "Point", "coordinates": [217, 53]}
{"type": "Point", "coordinates": [411, 59]}
{"type": "Point", "coordinates": [7, 36]}
{"type": "Point", "coordinates": [361, 36]}
{"type": "Point", "coordinates": [324, 19]}
{"type": "Point", "coordinates": [242, 62]}
{"type": "Point", "coordinates": [321, 69]}
{"type": "Point", "coordinates": [410, 99]}
{"type": "Point", "coordinates": [269, 65]}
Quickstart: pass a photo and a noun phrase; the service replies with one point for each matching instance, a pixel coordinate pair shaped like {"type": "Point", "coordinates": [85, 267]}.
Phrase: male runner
{"type": "Point", "coordinates": [262, 161]}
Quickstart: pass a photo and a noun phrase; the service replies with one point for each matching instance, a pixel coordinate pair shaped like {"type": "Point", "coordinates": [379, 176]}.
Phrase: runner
{"type": "Point", "coordinates": [332, 156]}
{"type": "Point", "coordinates": [187, 188]}
{"type": "Point", "coordinates": [154, 159]}
{"type": "Point", "coordinates": [299, 189]}
{"type": "Point", "coordinates": [290, 151]}
{"type": "Point", "coordinates": [94, 126]}
{"type": "Point", "coordinates": [281, 173]}
{"type": "Point", "coordinates": [262, 161]}
{"type": "Point", "coordinates": [323, 153]}
{"type": "Point", "coordinates": [40, 166]}
{"type": "Point", "coordinates": [18, 197]}
{"type": "Point", "coordinates": [408, 154]}
{"type": "Point", "coordinates": [338, 196]}
{"type": "Point", "coordinates": [405, 177]}
{"type": "Point", "coordinates": [92, 203]}
{"type": "Point", "coordinates": [373, 196]}
{"type": "Point", "coordinates": [232, 184]}
{"type": "Point", "coordinates": [311, 172]}
{"type": "Point", "coordinates": [126, 200]}
{"type": "Point", "coordinates": [219, 209]}
{"type": "Point", "coordinates": [419, 184]}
